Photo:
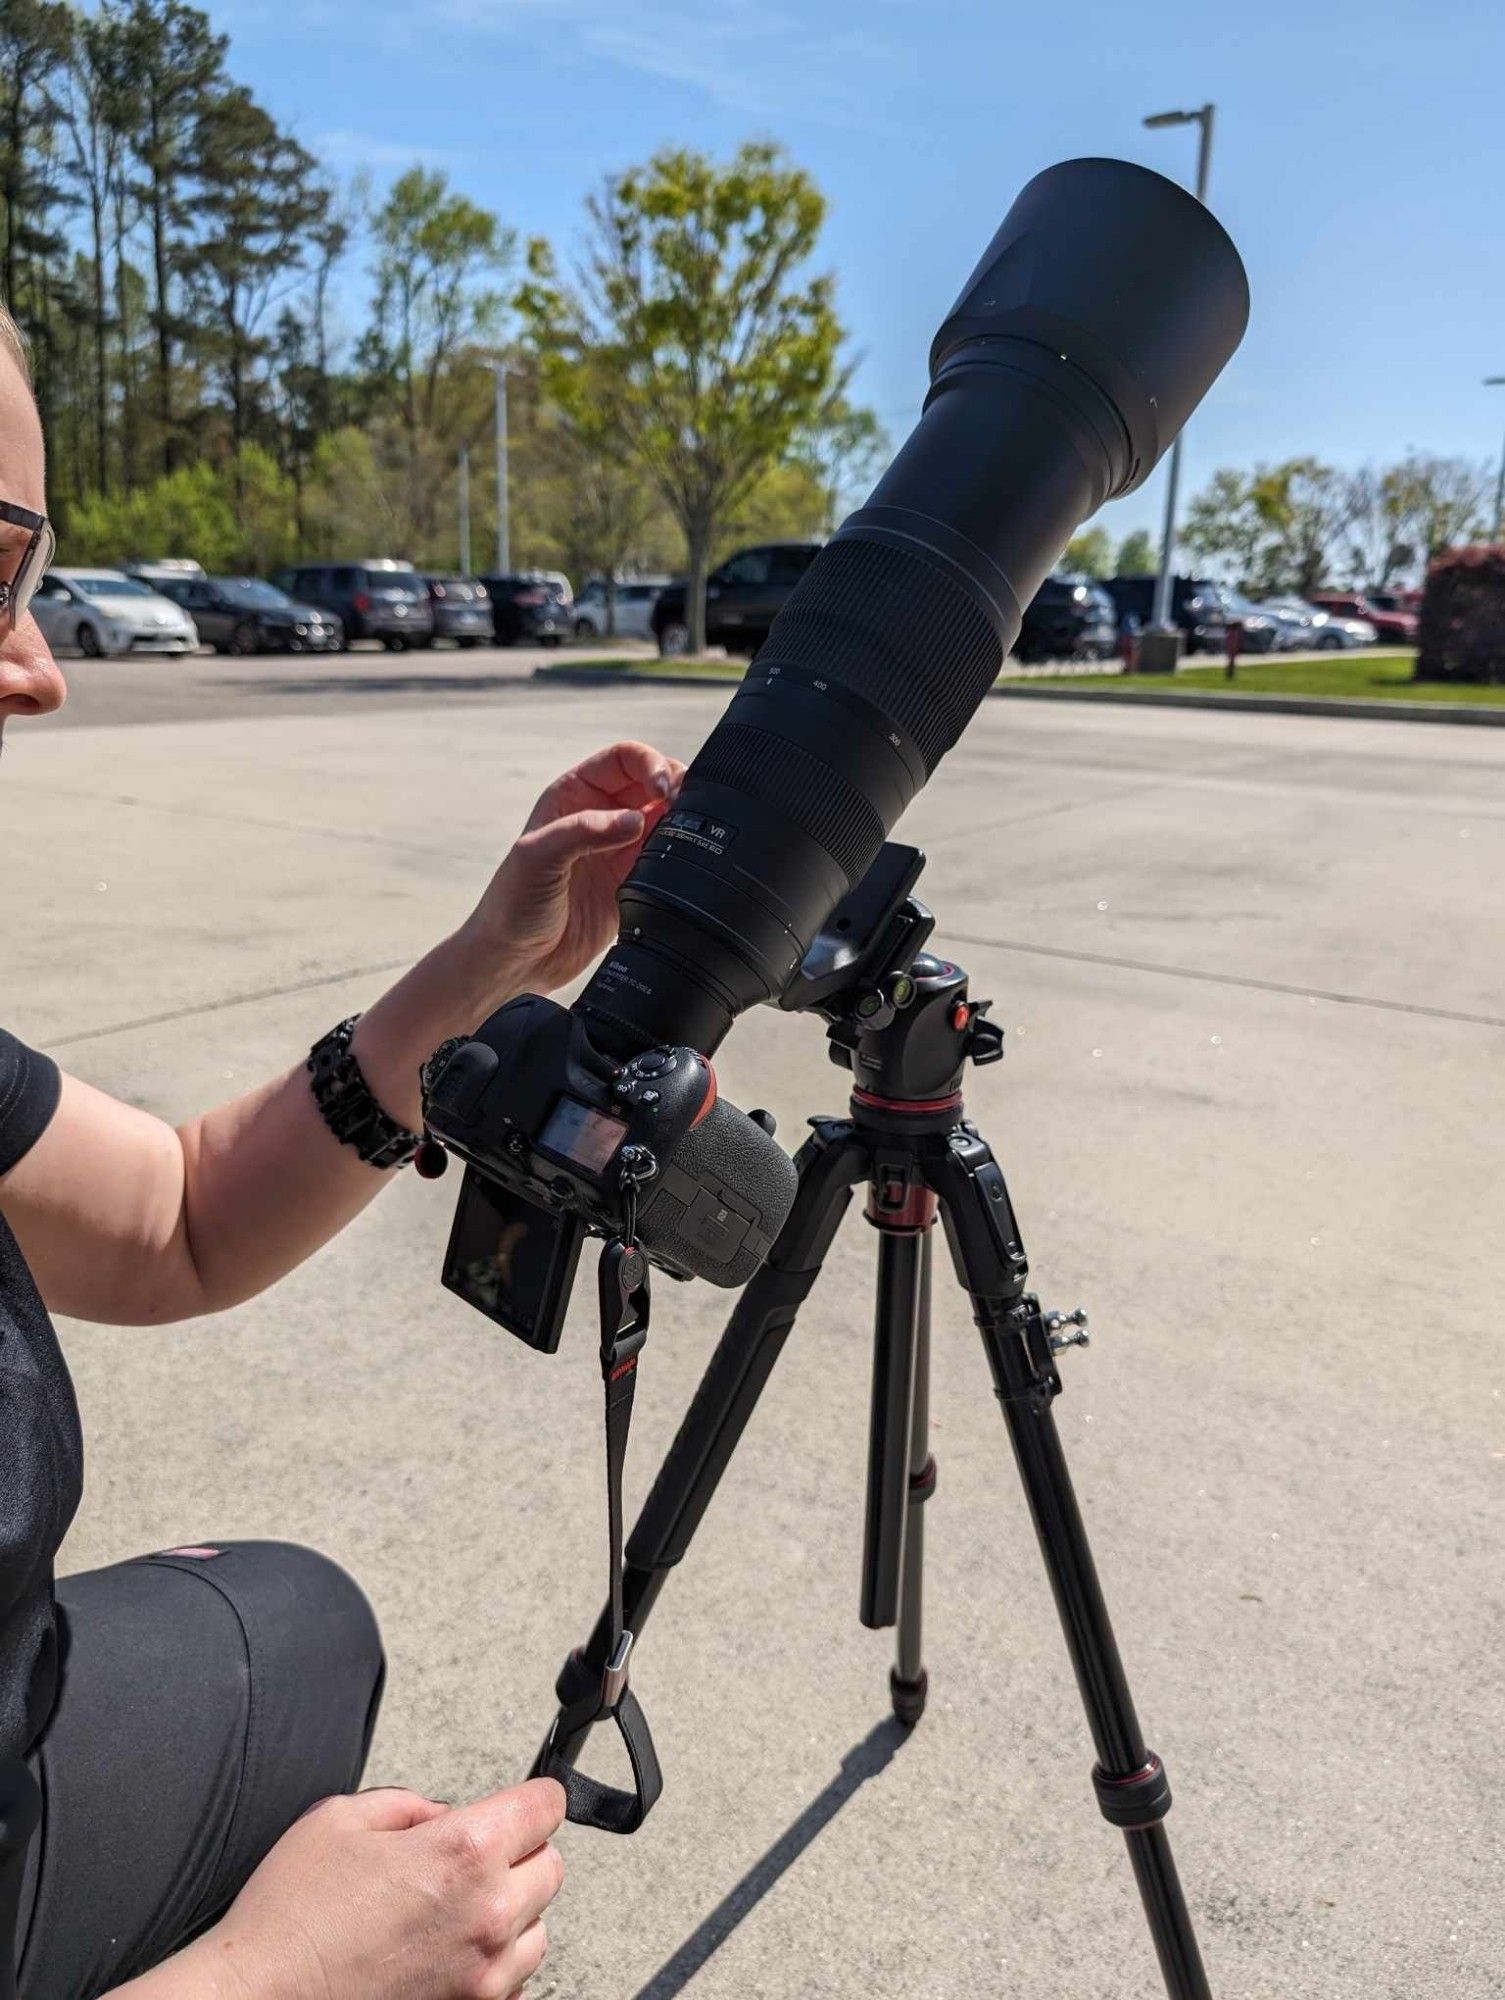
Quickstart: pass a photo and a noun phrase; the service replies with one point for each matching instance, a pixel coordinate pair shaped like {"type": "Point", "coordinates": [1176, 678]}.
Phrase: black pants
{"type": "Point", "coordinates": [208, 1698]}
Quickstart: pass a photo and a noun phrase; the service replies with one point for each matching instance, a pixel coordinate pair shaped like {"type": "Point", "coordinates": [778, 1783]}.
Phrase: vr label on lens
{"type": "Point", "coordinates": [712, 834]}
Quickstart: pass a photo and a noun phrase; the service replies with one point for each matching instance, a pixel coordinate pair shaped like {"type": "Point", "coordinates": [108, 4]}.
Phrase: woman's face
{"type": "Point", "coordinates": [30, 683]}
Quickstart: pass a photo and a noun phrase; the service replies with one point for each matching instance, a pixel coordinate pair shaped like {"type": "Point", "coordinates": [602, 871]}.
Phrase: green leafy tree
{"type": "Point", "coordinates": [258, 198]}
{"type": "Point", "coordinates": [1280, 527]}
{"type": "Point", "coordinates": [1138, 554]}
{"type": "Point", "coordinates": [1091, 552]}
{"type": "Point", "coordinates": [35, 37]}
{"type": "Point", "coordinates": [845, 450]}
{"type": "Point", "coordinates": [696, 327]}
{"type": "Point", "coordinates": [176, 63]}
{"type": "Point", "coordinates": [435, 252]}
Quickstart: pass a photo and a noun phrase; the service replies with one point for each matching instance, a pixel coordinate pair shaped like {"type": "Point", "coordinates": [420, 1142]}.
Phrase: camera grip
{"type": "Point", "coordinates": [721, 1200]}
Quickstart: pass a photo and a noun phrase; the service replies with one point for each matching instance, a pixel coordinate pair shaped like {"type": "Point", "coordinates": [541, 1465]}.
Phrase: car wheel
{"type": "Point", "coordinates": [88, 642]}
{"type": "Point", "coordinates": [395, 645]}
{"type": "Point", "coordinates": [673, 640]}
{"type": "Point", "coordinates": [1329, 642]}
{"type": "Point", "coordinates": [550, 639]}
{"type": "Point", "coordinates": [243, 639]}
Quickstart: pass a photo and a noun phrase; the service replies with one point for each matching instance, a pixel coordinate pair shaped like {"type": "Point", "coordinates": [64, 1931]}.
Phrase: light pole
{"type": "Point", "coordinates": [464, 471]}
{"type": "Point", "coordinates": [503, 509]}
{"type": "Point", "coordinates": [1161, 620]}
{"type": "Point", "coordinates": [1498, 382]}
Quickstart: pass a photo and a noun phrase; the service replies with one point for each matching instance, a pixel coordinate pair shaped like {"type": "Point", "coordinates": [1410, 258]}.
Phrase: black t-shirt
{"type": "Point", "coordinates": [41, 1449]}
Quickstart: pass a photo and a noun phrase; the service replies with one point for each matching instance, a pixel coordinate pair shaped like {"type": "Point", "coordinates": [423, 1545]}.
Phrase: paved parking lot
{"type": "Point", "coordinates": [153, 687]}
{"type": "Point", "coordinates": [1250, 967]}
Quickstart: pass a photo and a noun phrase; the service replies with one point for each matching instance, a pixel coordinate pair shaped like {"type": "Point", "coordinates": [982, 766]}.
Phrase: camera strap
{"type": "Point", "coordinates": [623, 1284]}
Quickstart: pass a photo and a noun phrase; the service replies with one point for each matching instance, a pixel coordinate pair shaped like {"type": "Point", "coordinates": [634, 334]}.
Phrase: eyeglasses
{"type": "Point", "coordinates": [23, 564]}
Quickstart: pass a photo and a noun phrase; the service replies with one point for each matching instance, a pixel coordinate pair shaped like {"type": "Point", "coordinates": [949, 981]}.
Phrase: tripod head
{"type": "Point", "coordinates": [900, 1018]}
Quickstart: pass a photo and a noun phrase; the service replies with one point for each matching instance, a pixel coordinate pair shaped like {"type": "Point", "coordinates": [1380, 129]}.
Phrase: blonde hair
{"type": "Point", "coordinates": [13, 342]}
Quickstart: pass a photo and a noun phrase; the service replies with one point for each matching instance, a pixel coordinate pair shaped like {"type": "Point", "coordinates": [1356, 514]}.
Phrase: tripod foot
{"type": "Point", "coordinates": [908, 1696]}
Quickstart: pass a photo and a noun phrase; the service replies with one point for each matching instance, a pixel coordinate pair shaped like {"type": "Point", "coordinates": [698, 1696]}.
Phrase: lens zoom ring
{"type": "Point", "coordinates": [815, 797]}
{"type": "Point", "coordinates": [896, 630]}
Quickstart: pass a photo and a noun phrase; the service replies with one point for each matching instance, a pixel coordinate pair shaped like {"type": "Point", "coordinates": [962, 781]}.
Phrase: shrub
{"type": "Point", "coordinates": [1462, 634]}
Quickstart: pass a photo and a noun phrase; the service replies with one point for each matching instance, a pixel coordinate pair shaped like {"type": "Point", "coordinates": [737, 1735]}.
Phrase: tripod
{"type": "Point", "coordinates": [903, 1022]}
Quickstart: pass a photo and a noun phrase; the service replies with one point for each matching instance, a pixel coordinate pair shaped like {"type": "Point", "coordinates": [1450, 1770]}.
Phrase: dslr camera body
{"type": "Point", "coordinates": [562, 1140]}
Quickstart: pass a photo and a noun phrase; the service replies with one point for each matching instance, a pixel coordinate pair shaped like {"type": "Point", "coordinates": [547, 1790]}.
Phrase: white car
{"type": "Point", "coordinates": [1308, 629]}
{"type": "Point", "coordinates": [104, 611]}
{"type": "Point", "coordinates": [635, 602]}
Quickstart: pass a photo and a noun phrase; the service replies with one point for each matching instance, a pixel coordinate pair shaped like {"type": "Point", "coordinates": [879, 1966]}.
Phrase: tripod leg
{"type": "Point", "coordinates": [1129, 1779]}
{"type": "Point", "coordinates": [831, 1161]}
{"type": "Point", "coordinates": [908, 1682]}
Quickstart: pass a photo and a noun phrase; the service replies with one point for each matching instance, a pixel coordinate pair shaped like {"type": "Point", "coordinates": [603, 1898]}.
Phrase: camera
{"type": "Point", "coordinates": [1100, 314]}
{"type": "Point", "coordinates": [562, 1139]}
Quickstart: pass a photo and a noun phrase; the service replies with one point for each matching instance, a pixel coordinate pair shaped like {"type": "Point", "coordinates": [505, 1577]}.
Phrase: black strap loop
{"type": "Point", "coordinates": [623, 1283]}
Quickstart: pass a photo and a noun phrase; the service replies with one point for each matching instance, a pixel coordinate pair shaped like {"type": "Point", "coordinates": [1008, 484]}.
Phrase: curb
{"type": "Point", "coordinates": [1272, 704]}
{"type": "Point", "coordinates": [1268, 704]}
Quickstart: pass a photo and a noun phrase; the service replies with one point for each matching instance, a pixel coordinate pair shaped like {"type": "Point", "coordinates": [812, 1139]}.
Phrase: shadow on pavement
{"type": "Point", "coordinates": [863, 1761]}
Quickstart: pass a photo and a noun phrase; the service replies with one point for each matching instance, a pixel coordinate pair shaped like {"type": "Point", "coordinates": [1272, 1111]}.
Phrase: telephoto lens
{"type": "Point", "coordinates": [1099, 316]}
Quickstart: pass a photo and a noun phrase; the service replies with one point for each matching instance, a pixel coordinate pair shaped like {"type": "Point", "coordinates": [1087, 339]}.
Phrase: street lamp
{"type": "Point", "coordinates": [1498, 382]}
{"type": "Point", "coordinates": [503, 497]}
{"type": "Point", "coordinates": [1161, 619]}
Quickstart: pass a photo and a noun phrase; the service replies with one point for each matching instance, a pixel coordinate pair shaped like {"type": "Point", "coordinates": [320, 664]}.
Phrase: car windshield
{"type": "Point", "coordinates": [252, 593]}
{"type": "Point", "coordinates": [110, 586]}
{"type": "Point", "coordinates": [385, 584]}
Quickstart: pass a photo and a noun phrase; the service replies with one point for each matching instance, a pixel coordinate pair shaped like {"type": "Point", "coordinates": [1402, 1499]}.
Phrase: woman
{"type": "Point", "coordinates": [181, 1713]}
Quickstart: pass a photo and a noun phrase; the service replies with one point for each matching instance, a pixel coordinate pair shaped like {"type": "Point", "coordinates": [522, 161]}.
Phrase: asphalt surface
{"type": "Point", "coordinates": [155, 687]}
{"type": "Point", "coordinates": [1250, 969]}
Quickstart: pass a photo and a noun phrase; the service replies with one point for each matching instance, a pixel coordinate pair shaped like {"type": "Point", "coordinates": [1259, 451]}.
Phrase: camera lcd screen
{"type": "Point", "coordinates": [584, 1137]}
{"type": "Point", "coordinates": [513, 1261]}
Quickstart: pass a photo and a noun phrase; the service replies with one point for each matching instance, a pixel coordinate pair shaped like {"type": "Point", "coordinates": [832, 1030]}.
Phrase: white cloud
{"type": "Point", "coordinates": [741, 54]}
{"type": "Point", "coordinates": [346, 150]}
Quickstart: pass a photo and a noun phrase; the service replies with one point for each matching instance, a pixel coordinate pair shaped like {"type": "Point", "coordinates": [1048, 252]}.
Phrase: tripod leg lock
{"type": "Point", "coordinates": [1136, 1801]}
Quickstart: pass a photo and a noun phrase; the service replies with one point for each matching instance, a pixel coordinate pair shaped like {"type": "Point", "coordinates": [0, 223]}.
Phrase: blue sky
{"type": "Point", "coordinates": [1359, 162]}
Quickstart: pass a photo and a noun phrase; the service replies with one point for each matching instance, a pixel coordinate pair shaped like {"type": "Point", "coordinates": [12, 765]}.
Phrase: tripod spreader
{"type": "Point", "coordinates": [921, 1158]}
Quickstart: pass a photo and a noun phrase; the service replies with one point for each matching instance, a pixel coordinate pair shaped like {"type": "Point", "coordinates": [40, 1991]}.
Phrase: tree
{"type": "Point", "coordinates": [435, 249]}
{"type": "Point", "coordinates": [175, 63]}
{"type": "Point", "coordinates": [35, 36]}
{"type": "Point", "coordinates": [711, 352]}
{"type": "Point", "coordinates": [94, 108]}
{"type": "Point", "coordinates": [1441, 502]}
{"type": "Point", "coordinates": [846, 448]}
{"type": "Point", "coordinates": [1278, 528]}
{"type": "Point", "coordinates": [257, 201]}
{"type": "Point", "coordinates": [1138, 554]}
{"type": "Point", "coordinates": [1091, 552]}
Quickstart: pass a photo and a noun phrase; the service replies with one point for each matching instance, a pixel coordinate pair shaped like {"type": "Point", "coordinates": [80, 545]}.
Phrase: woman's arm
{"type": "Point", "coordinates": [123, 1219]}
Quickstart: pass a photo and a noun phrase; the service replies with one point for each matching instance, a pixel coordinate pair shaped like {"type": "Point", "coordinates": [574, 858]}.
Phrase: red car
{"type": "Point", "coordinates": [1392, 625]}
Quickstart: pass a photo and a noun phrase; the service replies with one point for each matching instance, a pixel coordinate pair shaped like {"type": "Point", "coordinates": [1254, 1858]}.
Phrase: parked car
{"type": "Point", "coordinates": [1321, 631]}
{"type": "Point", "coordinates": [1196, 606]}
{"type": "Point", "coordinates": [104, 611]}
{"type": "Point", "coordinates": [1262, 629]}
{"type": "Point", "coordinates": [1396, 600]}
{"type": "Point", "coordinates": [1069, 618]}
{"type": "Point", "coordinates": [633, 619]}
{"type": "Point", "coordinates": [242, 614]}
{"type": "Point", "coordinates": [1399, 627]}
{"type": "Point", "coordinates": [461, 609]}
{"type": "Point", "coordinates": [532, 606]}
{"type": "Point", "coordinates": [743, 596]}
{"type": "Point", "coordinates": [376, 598]}
{"type": "Point", "coordinates": [157, 570]}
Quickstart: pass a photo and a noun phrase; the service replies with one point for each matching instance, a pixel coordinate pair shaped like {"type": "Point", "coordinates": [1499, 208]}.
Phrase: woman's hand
{"type": "Point", "coordinates": [385, 1896]}
{"type": "Point", "coordinates": [551, 906]}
